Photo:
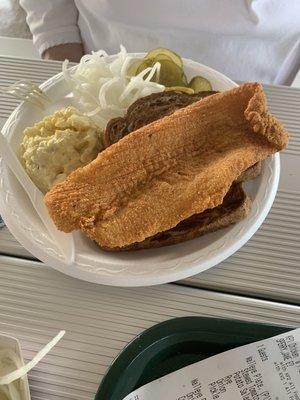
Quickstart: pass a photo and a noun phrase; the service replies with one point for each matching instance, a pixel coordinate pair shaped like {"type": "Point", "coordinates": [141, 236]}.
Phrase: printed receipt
{"type": "Point", "coordinates": [264, 370]}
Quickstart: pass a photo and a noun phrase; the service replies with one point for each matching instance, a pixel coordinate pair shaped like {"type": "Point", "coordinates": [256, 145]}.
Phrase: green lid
{"type": "Point", "coordinates": [174, 344]}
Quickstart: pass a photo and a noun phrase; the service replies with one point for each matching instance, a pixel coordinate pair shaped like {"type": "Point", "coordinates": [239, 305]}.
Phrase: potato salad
{"type": "Point", "coordinates": [59, 144]}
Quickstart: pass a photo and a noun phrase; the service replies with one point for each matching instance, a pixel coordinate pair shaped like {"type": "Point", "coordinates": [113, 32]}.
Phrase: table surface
{"type": "Point", "coordinates": [36, 301]}
{"type": "Point", "coordinates": [268, 265]}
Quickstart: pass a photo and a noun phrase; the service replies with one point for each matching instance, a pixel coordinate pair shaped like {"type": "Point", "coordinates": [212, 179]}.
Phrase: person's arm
{"type": "Point", "coordinates": [54, 28]}
{"type": "Point", "coordinates": [71, 51]}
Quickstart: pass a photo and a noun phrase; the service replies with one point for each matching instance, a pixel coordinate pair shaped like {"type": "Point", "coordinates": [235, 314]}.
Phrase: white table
{"type": "Point", "coordinates": [36, 302]}
{"type": "Point", "coordinates": [17, 47]}
{"type": "Point", "coordinates": [268, 266]}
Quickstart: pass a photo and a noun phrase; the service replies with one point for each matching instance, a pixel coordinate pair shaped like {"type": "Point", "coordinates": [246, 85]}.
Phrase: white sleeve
{"type": "Point", "coordinates": [52, 22]}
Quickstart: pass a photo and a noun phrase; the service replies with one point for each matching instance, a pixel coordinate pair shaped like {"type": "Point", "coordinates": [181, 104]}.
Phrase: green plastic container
{"type": "Point", "coordinates": [174, 344]}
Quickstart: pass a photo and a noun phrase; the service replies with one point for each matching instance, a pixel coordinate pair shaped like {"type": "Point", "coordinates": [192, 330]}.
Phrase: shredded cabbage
{"type": "Point", "coordinates": [102, 88]}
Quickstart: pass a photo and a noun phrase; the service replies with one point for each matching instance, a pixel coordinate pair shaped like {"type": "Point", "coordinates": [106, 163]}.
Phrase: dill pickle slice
{"type": "Point", "coordinates": [200, 84]}
{"type": "Point", "coordinates": [133, 67]}
{"type": "Point", "coordinates": [170, 74]}
{"type": "Point", "coordinates": [143, 65]}
{"type": "Point", "coordinates": [163, 57]}
{"type": "Point", "coordinates": [171, 54]}
{"type": "Point", "coordinates": [181, 89]}
{"type": "Point", "coordinates": [146, 64]}
{"type": "Point", "coordinates": [160, 57]}
{"type": "Point", "coordinates": [184, 79]}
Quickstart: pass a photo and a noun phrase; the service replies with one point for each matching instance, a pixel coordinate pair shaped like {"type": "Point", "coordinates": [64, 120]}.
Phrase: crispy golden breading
{"type": "Point", "coordinates": [168, 170]}
{"type": "Point", "coordinates": [236, 206]}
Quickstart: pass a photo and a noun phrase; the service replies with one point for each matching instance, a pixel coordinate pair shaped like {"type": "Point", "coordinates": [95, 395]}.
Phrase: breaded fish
{"type": "Point", "coordinates": [236, 206]}
{"type": "Point", "coordinates": [168, 170]}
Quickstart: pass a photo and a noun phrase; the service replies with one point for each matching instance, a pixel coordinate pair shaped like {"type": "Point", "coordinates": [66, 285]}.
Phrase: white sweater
{"type": "Point", "coordinates": [245, 39]}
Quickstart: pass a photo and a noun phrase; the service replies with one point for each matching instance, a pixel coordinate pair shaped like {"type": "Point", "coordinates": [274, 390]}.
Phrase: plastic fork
{"type": "Point", "coordinates": [62, 240]}
{"type": "Point", "coordinates": [26, 90]}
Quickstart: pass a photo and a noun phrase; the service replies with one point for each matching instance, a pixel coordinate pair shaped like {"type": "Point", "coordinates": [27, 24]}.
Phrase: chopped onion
{"type": "Point", "coordinates": [102, 88]}
{"type": "Point", "coordinates": [23, 370]}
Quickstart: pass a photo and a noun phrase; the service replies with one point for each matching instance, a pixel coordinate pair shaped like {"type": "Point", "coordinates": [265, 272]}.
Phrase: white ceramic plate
{"type": "Point", "coordinates": [139, 268]}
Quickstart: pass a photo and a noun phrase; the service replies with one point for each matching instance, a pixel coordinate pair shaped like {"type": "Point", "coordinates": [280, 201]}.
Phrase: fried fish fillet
{"type": "Point", "coordinates": [168, 170]}
{"type": "Point", "coordinates": [236, 206]}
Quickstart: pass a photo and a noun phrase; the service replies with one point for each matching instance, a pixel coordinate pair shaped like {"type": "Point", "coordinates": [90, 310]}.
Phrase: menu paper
{"type": "Point", "coordinates": [264, 370]}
